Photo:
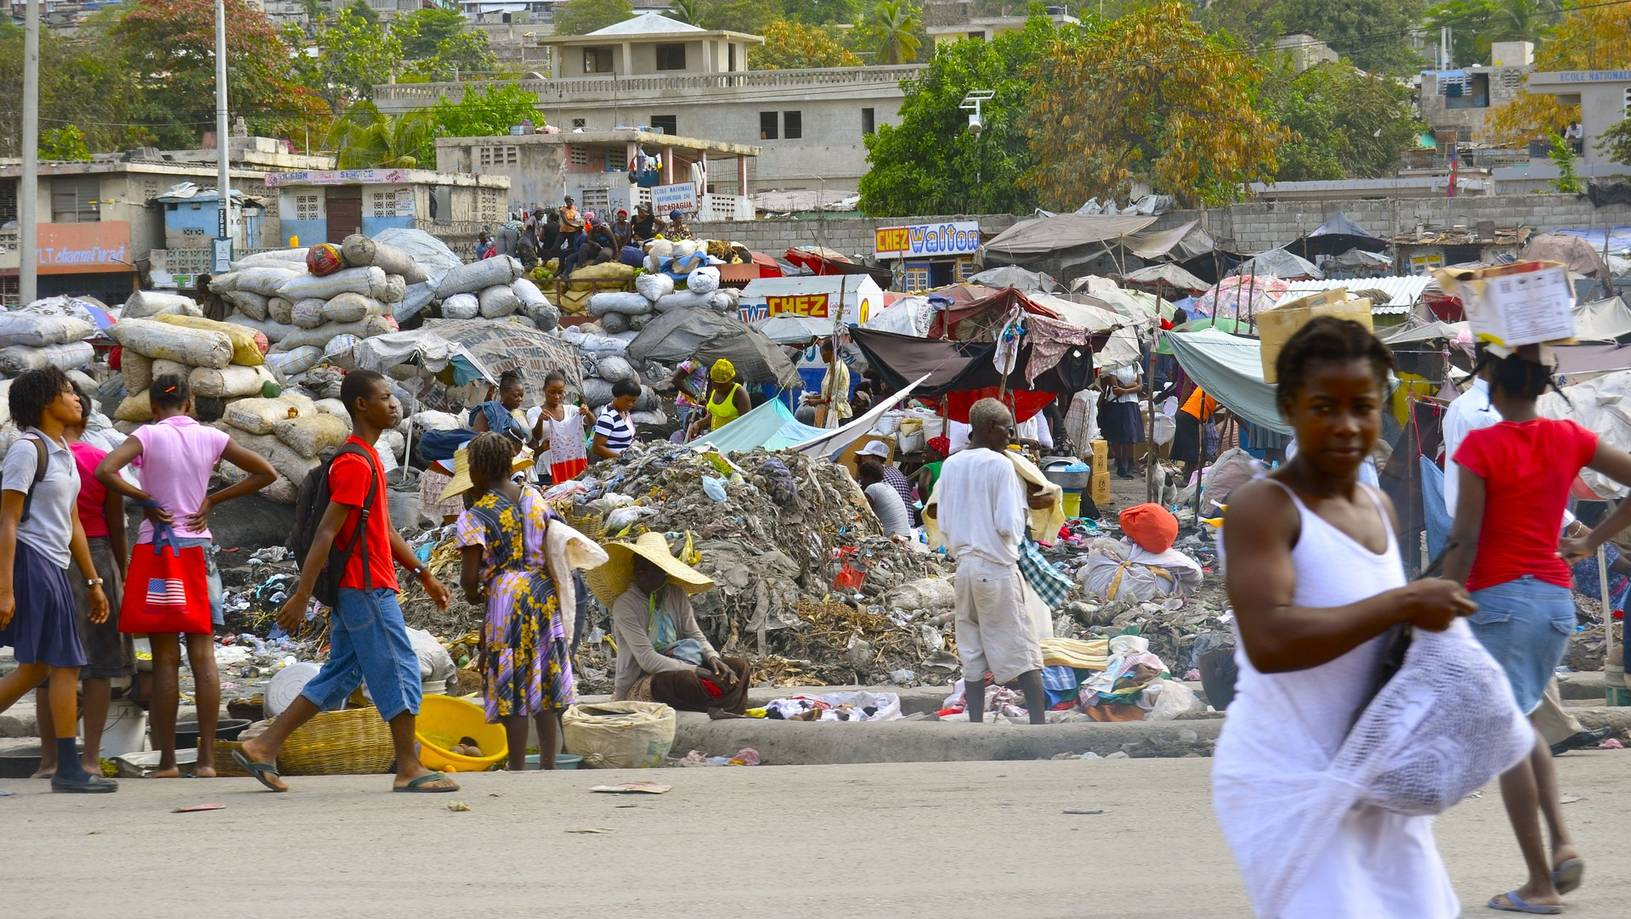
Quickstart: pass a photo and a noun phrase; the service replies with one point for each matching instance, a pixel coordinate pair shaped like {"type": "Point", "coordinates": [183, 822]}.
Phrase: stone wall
{"type": "Point", "coordinates": [1251, 227]}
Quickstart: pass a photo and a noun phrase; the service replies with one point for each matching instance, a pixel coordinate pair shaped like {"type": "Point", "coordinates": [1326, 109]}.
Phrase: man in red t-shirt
{"type": "Point", "coordinates": [369, 640]}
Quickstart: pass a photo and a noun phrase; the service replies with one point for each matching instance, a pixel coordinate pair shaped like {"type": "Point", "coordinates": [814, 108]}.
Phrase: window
{"type": "Point", "coordinates": [441, 204]}
{"type": "Point", "coordinates": [595, 199]}
{"type": "Point", "coordinates": [308, 207]}
{"type": "Point", "coordinates": [577, 155]}
{"type": "Point", "coordinates": [792, 125]}
{"type": "Point", "coordinates": [597, 60]}
{"type": "Point", "coordinates": [730, 57]}
{"type": "Point", "coordinates": [868, 121]}
{"type": "Point", "coordinates": [614, 162]}
{"type": "Point", "coordinates": [74, 201]}
{"type": "Point", "coordinates": [668, 124]}
{"type": "Point", "coordinates": [670, 57]}
{"type": "Point", "coordinates": [392, 202]}
{"type": "Point", "coordinates": [767, 126]}
{"type": "Point", "coordinates": [1471, 93]}
{"type": "Point", "coordinates": [579, 123]}
{"type": "Point", "coordinates": [8, 199]}
{"type": "Point", "coordinates": [498, 156]}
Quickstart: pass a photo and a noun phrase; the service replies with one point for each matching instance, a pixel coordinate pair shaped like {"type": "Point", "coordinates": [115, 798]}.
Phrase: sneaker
{"type": "Point", "coordinates": [88, 785]}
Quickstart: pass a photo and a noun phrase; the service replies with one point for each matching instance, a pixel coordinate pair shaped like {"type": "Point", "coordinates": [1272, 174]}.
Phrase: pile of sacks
{"type": "Point", "coordinates": [317, 302]}
{"type": "Point", "coordinates": [668, 282]}
{"type": "Point", "coordinates": [605, 361]}
{"type": "Point", "coordinates": [46, 333]}
{"type": "Point", "coordinates": [162, 335]}
{"type": "Point", "coordinates": [494, 288]}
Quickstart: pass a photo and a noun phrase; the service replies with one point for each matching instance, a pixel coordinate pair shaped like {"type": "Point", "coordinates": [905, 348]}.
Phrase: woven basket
{"type": "Point", "coordinates": [350, 742]}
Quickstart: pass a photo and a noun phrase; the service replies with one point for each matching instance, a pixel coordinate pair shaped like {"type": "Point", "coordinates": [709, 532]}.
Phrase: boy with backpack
{"type": "Point", "coordinates": [343, 532]}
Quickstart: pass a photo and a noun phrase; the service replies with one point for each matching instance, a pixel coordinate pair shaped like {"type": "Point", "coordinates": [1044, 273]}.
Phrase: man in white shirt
{"type": "Point", "coordinates": [1472, 411]}
{"type": "Point", "coordinates": [982, 514]}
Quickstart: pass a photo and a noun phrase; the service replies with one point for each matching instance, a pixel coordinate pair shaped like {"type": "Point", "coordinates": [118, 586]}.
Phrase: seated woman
{"type": "Point", "coordinates": [662, 655]}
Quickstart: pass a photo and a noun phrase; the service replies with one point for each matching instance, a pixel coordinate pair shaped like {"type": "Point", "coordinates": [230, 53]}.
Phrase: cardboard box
{"type": "Point", "coordinates": [1101, 452]}
{"type": "Point", "coordinates": [1101, 488]}
{"type": "Point", "coordinates": [1276, 326]}
{"type": "Point", "coordinates": [1524, 303]}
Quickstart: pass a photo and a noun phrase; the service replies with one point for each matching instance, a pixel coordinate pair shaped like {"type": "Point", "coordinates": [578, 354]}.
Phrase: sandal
{"type": "Point", "coordinates": [1568, 874]}
{"type": "Point", "coordinates": [259, 771]}
{"type": "Point", "coordinates": [418, 786]}
{"type": "Point", "coordinates": [1516, 904]}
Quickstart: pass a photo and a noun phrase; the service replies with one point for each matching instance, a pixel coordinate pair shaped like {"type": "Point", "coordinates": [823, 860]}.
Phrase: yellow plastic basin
{"type": "Point", "coordinates": [444, 721]}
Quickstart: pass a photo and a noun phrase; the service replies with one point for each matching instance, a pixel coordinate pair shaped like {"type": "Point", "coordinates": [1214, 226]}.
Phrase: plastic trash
{"type": "Point", "coordinates": [715, 488]}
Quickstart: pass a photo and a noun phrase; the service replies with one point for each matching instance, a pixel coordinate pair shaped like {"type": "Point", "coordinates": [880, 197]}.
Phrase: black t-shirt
{"type": "Point", "coordinates": [645, 227]}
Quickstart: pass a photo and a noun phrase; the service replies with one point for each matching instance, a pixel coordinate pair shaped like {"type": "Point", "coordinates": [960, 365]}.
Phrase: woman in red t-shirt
{"type": "Point", "coordinates": [1515, 482]}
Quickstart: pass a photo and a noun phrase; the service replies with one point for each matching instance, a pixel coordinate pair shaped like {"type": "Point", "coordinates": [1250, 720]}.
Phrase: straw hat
{"type": "Point", "coordinates": [611, 580]}
{"type": "Point", "coordinates": [460, 483]}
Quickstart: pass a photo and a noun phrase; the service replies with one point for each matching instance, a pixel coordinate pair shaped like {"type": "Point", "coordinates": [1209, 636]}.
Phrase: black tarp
{"type": "Point", "coordinates": [707, 336]}
{"type": "Point", "coordinates": [1336, 235]}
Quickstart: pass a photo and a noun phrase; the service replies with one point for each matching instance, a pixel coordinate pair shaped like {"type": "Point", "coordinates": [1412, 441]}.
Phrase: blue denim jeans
{"type": "Point", "coordinates": [1525, 625]}
{"type": "Point", "coordinates": [368, 641]}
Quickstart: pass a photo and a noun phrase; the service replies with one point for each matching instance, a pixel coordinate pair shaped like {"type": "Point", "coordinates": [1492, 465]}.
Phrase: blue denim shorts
{"type": "Point", "coordinates": [368, 641]}
{"type": "Point", "coordinates": [1525, 625]}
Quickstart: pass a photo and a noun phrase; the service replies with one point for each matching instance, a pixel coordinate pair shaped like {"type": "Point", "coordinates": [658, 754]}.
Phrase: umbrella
{"type": "Point", "coordinates": [707, 336]}
{"type": "Point", "coordinates": [1280, 263]}
{"type": "Point", "coordinates": [1240, 297]}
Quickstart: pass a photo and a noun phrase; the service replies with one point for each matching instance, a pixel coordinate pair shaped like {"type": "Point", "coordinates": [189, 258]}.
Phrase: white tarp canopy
{"type": "Point", "coordinates": [1602, 405]}
{"type": "Point", "coordinates": [1602, 320]}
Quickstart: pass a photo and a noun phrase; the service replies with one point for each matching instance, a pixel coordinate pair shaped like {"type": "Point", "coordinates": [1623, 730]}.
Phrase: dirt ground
{"type": "Point", "coordinates": [1130, 838]}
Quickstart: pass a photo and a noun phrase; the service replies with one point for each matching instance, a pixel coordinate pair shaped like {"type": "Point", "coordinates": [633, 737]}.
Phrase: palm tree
{"type": "Point", "coordinates": [893, 26]}
{"type": "Point", "coordinates": [363, 137]}
{"type": "Point", "coordinates": [686, 11]}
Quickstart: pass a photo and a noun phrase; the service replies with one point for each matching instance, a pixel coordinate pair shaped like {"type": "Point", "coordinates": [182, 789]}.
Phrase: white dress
{"type": "Point", "coordinates": [1376, 864]}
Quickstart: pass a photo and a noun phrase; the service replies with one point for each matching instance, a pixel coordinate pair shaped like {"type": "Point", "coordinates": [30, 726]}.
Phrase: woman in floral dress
{"type": "Point", "coordinates": [527, 669]}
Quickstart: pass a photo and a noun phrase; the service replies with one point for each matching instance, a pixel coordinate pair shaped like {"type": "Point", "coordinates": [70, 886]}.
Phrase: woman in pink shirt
{"type": "Point", "coordinates": [175, 457]}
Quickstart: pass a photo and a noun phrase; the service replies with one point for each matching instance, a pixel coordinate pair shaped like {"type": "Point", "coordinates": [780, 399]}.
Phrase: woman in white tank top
{"type": "Point", "coordinates": [1315, 579]}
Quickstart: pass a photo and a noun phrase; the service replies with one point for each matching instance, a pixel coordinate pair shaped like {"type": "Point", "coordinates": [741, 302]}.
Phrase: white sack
{"type": "Point", "coordinates": [369, 281]}
{"type": "Point", "coordinates": [653, 286]}
{"type": "Point", "coordinates": [461, 306]}
{"type": "Point", "coordinates": [475, 276]}
{"type": "Point", "coordinates": [498, 301]}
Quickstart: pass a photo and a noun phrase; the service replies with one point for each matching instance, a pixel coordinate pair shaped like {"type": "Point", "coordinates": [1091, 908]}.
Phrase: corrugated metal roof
{"type": "Point", "coordinates": [1403, 292]}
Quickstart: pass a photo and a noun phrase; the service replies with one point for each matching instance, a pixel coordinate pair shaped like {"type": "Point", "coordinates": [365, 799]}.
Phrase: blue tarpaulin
{"type": "Point", "coordinates": [1230, 369]}
{"type": "Point", "coordinates": [771, 426]}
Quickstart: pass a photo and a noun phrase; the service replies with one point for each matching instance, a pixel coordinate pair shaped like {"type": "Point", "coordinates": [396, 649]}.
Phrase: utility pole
{"type": "Point", "coordinates": [222, 251]}
{"type": "Point", "coordinates": [28, 191]}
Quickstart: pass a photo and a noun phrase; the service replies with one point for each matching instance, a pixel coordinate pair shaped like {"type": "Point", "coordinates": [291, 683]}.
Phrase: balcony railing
{"type": "Point", "coordinates": [399, 96]}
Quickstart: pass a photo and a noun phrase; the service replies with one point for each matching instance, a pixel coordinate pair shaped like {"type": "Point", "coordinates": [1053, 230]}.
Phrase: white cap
{"type": "Point", "coordinates": [876, 448]}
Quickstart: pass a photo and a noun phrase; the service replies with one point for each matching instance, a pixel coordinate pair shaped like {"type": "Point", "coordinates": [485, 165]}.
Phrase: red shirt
{"type": "Point", "coordinates": [93, 495]}
{"type": "Point", "coordinates": [348, 483]}
{"type": "Point", "coordinates": [1528, 468]}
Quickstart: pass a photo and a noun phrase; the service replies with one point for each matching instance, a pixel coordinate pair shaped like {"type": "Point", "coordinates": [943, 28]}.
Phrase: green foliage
{"type": "Point", "coordinates": [1562, 156]}
{"type": "Point", "coordinates": [80, 85]}
{"type": "Point", "coordinates": [1374, 34]}
{"type": "Point", "coordinates": [1616, 142]}
{"type": "Point", "coordinates": [893, 30]}
{"type": "Point", "coordinates": [422, 32]}
{"type": "Point", "coordinates": [1253, 22]}
{"type": "Point", "coordinates": [580, 17]}
{"type": "Point", "coordinates": [929, 163]}
{"type": "Point", "coordinates": [362, 9]}
{"type": "Point", "coordinates": [686, 11]}
{"type": "Point", "coordinates": [491, 111]}
{"type": "Point", "coordinates": [825, 12]}
{"type": "Point", "coordinates": [751, 16]}
{"type": "Point", "coordinates": [790, 45]}
{"type": "Point", "coordinates": [64, 145]}
{"type": "Point", "coordinates": [1476, 24]}
{"type": "Point", "coordinates": [456, 57]}
{"type": "Point", "coordinates": [352, 54]}
{"type": "Point", "coordinates": [364, 138]}
{"type": "Point", "coordinates": [1346, 123]}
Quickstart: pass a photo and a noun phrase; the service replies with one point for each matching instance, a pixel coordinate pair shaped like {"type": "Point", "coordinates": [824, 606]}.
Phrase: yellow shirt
{"type": "Point", "coordinates": [725, 412]}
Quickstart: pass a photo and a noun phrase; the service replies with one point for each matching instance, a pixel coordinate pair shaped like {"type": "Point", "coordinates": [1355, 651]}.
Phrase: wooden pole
{"type": "Point", "coordinates": [1149, 395]}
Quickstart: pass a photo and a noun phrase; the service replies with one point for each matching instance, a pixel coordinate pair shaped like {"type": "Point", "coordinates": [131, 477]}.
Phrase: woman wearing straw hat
{"type": "Point", "coordinates": [662, 655]}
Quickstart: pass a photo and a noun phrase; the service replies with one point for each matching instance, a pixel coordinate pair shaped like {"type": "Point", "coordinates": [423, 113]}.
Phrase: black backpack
{"type": "Point", "coordinates": [41, 463]}
{"type": "Point", "coordinates": [310, 505]}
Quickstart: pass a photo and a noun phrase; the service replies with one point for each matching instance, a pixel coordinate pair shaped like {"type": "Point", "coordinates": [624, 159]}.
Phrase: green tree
{"type": "Point", "coordinates": [686, 11]}
{"type": "Point", "coordinates": [166, 53]}
{"type": "Point", "coordinates": [352, 54]}
{"type": "Point", "coordinates": [1253, 22]}
{"type": "Point", "coordinates": [751, 16]}
{"type": "Point", "coordinates": [423, 31]}
{"type": "Point", "coordinates": [1344, 123]}
{"type": "Point", "coordinates": [1616, 142]}
{"type": "Point", "coordinates": [893, 29]}
{"type": "Point", "coordinates": [1374, 34]}
{"type": "Point", "coordinates": [81, 84]}
{"type": "Point", "coordinates": [580, 17]}
{"type": "Point", "coordinates": [1476, 24]}
{"type": "Point", "coordinates": [64, 145]}
{"type": "Point", "coordinates": [825, 12]}
{"type": "Point", "coordinates": [361, 9]}
{"type": "Point", "coordinates": [790, 45]}
{"type": "Point", "coordinates": [493, 110]}
{"type": "Point", "coordinates": [461, 55]}
{"type": "Point", "coordinates": [1150, 98]}
{"type": "Point", "coordinates": [1593, 36]}
{"type": "Point", "coordinates": [930, 163]}
{"type": "Point", "coordinates": [363, 137]}
{"type": "Point", "coordinates": [1561, 153]}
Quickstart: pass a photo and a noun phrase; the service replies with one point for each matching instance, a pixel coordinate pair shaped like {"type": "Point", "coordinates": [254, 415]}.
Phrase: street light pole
{"type": "Point", "coordinates": [224, 178]}
{"type": "Point", "coordinates": [28, 191]}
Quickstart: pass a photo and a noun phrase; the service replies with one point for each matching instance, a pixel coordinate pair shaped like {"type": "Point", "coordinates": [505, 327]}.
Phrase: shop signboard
{"type": "Point", "coordinates": [927, 240]}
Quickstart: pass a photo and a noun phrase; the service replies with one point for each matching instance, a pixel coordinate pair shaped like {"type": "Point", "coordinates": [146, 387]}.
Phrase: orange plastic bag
{"type": "Point", "coordinates": [1151, 526]}
{"type": "Point", "coordinates": [324, 259]}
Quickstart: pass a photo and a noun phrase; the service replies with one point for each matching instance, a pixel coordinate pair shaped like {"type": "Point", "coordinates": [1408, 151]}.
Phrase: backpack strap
{"type": "Point", "coordinates": [41, 463]}
{"type": "Point", "coordinates": [360, 534]}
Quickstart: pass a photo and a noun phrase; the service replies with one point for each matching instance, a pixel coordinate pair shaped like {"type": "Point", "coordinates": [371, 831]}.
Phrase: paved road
{"type": "Point", "coordinates": [871, 840]}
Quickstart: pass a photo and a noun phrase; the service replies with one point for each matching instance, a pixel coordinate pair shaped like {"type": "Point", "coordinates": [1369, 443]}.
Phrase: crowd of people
{"type": "Point", "coordinates": [576, 239]}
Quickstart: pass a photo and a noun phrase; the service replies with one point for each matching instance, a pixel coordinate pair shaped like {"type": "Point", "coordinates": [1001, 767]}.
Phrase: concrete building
{"type": "Point", "coordinates": [1305, 51]}
{"type": "Point", "coordinates": [683, 173]}
{"type": "Point", "coordinates": [986, 28]}
{"type": "Point", "coordinates": [329, 205]}
{"type": "Point", "coordinates": [1604, 97]}
{"type": "Point", "coordinates": [653, 73]}
{"type": "Point", "coordinates": [1457, 103]}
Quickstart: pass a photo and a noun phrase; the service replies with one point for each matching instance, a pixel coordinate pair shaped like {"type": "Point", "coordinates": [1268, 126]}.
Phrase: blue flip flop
{"type": "Point", "coordinates": [1517, 904]}
{"type": "Point", "coordinates": [259, 771]}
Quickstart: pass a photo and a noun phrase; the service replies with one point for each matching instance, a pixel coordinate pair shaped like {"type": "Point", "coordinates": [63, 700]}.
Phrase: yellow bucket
{"type": "Point", "coordinates": [444, 721]}
{"type": "Point", "coordinates": [1073, 504]}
